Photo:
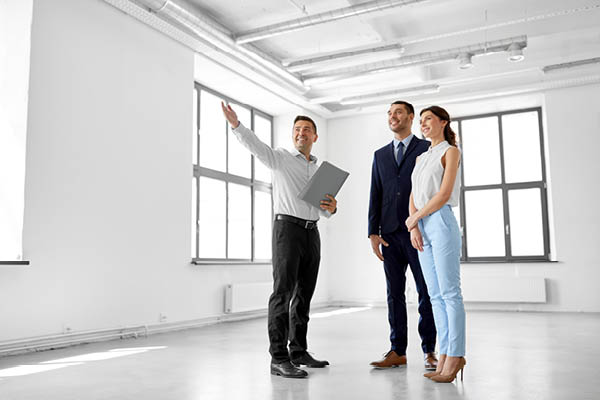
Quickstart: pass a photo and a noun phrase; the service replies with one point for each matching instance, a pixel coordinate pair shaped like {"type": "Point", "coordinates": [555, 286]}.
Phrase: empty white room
{"type": "Point", "coordinates": [299, 199]}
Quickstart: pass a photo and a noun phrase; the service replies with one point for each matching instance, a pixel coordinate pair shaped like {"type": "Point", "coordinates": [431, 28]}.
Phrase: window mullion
{"type": "Point", "coordinates": [226, 193]}
{"type": "Point", "coordinates": [507, 246]}
{"type": "Point", "coordinates": [463, 215]}
{"type": "Point", "coordinates": [546, 227]}
{"type": "Point", "coordinates": [544, 191]}
{"type": "Point", "coordinates": [252, 194]}
{"type": "Point", "coordinates": [196, 171]}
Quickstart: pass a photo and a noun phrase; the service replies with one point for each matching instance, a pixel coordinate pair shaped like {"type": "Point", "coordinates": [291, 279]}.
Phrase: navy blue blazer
{"type": "Point", "coordinates": [391, 187]}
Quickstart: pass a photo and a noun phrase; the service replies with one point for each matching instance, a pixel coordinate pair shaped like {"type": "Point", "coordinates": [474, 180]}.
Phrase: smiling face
{"type": "Point", "coordinates": [399, 118]}
{"type": "Point", "coordinates": [303, 136]}
{"type": "Point", "coordinates": [432, 126]}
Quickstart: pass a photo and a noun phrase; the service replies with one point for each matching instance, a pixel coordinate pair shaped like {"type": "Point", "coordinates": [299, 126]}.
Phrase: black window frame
{"type": "Point", "coordinates": [506, 187]}
{"type": "Point", "coordinates": [227, 177]}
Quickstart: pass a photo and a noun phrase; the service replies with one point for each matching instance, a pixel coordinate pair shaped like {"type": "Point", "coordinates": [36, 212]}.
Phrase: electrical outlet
{"type": "Point", "coordinates": [67, 329]}
{"type": "Point", "coordinates": [162, 317]}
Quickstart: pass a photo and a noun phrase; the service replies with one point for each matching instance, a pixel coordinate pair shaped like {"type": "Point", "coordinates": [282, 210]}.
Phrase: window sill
{"type": "Point", "coordinates": [229, 262]}
{"type": "Point", "coordinates": [3, 263]}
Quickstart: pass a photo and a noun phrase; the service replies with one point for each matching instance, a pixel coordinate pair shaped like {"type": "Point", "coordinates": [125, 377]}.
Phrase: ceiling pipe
{"type": "Point", "coordinates": [571, 64]}
{"type": "Point", "coordinates": [312, 20]}
{"type": "Point", "coordinates": [306, 62]}
{"type": "Point", "coordinates": [428, 58]}
{"type": "Point", "coordinates": [303, 65]}
{"type": "Point", "coordinates": [220, 38]}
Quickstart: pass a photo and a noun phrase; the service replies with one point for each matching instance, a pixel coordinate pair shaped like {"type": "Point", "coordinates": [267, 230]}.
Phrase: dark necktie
{"type": "Point", "coordinates": [400, 153]}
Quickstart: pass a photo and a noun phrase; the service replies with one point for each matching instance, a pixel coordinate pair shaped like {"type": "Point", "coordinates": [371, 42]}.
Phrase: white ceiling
{"type": "Point", "coordinates": [556, 32]}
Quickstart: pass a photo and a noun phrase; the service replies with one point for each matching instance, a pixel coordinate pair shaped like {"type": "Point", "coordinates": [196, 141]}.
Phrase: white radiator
{"type": "Point", "coordinates": [243, 297]}
{"type": "Point", "coordinates": [504, 290]}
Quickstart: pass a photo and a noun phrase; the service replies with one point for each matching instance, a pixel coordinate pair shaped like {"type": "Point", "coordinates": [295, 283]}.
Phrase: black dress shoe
{"type": "Point", "coordinates": [309, 361]}
{"type": "Point", "coordinates": [287, 370]}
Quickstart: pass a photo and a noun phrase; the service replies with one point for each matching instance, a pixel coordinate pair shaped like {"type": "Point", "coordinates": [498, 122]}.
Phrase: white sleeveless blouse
{"type": "Point", "coordinates": [427, 177]}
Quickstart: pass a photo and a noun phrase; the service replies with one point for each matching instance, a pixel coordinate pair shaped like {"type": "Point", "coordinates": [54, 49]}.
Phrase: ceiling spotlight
{"type": "Point", "coordinates": [465, 60]}
{"type": "Point", "coordinates": [515, 53]}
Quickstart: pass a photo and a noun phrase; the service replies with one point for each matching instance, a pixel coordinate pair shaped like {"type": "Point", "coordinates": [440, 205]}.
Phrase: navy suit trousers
{"type": "Point", "coordinates": [397, 256]}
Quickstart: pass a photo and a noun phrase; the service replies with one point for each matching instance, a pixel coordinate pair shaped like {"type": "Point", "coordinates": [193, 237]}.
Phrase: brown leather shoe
{"type": "Point", "coordinates": [431, 362]}
{"type": "Point", "coordinates": [390, 360]}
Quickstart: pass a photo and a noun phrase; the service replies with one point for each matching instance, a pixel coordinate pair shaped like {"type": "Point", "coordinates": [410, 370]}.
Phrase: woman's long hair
{"type": "Point", "coordinates": [442, 114]}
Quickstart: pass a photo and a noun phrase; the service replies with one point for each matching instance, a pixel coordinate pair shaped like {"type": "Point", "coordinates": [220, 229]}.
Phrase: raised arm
{"type": "Point", "coordinates": [450, 161]}
{"type": "Point", "coordinates": [249, 140]}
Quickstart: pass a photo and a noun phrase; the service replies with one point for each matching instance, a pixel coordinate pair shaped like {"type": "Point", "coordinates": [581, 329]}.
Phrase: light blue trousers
{"type": "Point", "coordinates": [440, 262]}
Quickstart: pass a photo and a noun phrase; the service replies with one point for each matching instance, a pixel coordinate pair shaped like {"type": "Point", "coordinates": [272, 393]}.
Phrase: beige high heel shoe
{"type": "Point", "coordinates": [453, 374]}
{"type": "Point", "coordinates": [432, 374]}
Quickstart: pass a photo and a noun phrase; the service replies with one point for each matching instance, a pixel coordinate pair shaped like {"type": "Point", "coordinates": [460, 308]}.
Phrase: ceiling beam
{"type": "Point", "coordinates": [312, 20]}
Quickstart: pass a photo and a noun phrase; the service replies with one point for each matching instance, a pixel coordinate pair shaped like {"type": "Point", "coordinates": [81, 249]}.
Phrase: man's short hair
{"type": "Point", "coordinates": [305, 118]}
{"type": "Point", "coordinates": [409, 107]}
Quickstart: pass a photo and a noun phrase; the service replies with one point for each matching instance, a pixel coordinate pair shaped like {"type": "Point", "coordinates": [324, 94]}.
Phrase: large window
{"type": "Point", "coordinates": [15, 46]}
{"type": "Point", "coordinates": [232, 204]}
{"type": "Point", "coordinates": [503, 211]}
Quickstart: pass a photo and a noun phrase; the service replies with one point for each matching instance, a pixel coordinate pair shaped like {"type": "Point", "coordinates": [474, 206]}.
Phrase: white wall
{"type": "Point", "coordinates": [572, 122]}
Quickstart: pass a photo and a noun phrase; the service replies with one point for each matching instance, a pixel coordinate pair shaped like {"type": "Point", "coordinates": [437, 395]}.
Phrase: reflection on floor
{"type": "Point", "coordinates": [510, 356]}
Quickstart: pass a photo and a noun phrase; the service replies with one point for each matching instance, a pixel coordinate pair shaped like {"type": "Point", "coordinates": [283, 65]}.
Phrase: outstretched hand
{"type": "Point", "coordinates": [230, 115]}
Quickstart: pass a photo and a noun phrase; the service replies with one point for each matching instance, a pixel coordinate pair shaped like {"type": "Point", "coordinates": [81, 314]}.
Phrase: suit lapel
{"type": "Point", "coordinates": [411, 146]}
{"type": "Point", "coordinates": [389, 155]}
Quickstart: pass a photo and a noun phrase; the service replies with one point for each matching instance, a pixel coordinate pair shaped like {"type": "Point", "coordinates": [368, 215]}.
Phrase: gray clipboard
{"type": "Point", "coordinates": [327, 180]}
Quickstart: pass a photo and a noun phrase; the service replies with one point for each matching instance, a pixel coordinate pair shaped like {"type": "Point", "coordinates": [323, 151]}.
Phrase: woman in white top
{"type": "Point", "coordinates": [435, 233]}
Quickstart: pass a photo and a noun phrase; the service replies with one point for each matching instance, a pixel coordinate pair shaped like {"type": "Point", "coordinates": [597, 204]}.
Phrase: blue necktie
{"type": "Point", "coordinates": [400, 153]}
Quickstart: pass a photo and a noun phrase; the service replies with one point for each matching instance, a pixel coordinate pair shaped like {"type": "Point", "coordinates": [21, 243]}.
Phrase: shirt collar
{"type": "Point", "coordinates": [296, 153]}
{"type": "Point", "coordinates": [406, 141]}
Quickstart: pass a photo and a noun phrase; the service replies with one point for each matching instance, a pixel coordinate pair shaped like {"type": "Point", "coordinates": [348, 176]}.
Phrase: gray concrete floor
{"type": "Point", "coordinates": [509, 356]}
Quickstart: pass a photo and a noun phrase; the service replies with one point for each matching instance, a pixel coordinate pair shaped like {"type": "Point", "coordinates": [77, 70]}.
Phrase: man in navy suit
{"type": "Point", "coordinates": [388, 209]}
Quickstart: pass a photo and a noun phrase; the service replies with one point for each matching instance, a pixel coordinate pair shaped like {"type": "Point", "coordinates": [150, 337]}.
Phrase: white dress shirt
{"type": "Point", "coordinates": [290, 172]}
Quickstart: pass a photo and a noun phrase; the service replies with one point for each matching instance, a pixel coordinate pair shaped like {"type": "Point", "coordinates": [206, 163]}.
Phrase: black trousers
{"type": "Point", "coordinates": [296, 257]}
{"type": "Point", "coordinates": [397, 256]}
